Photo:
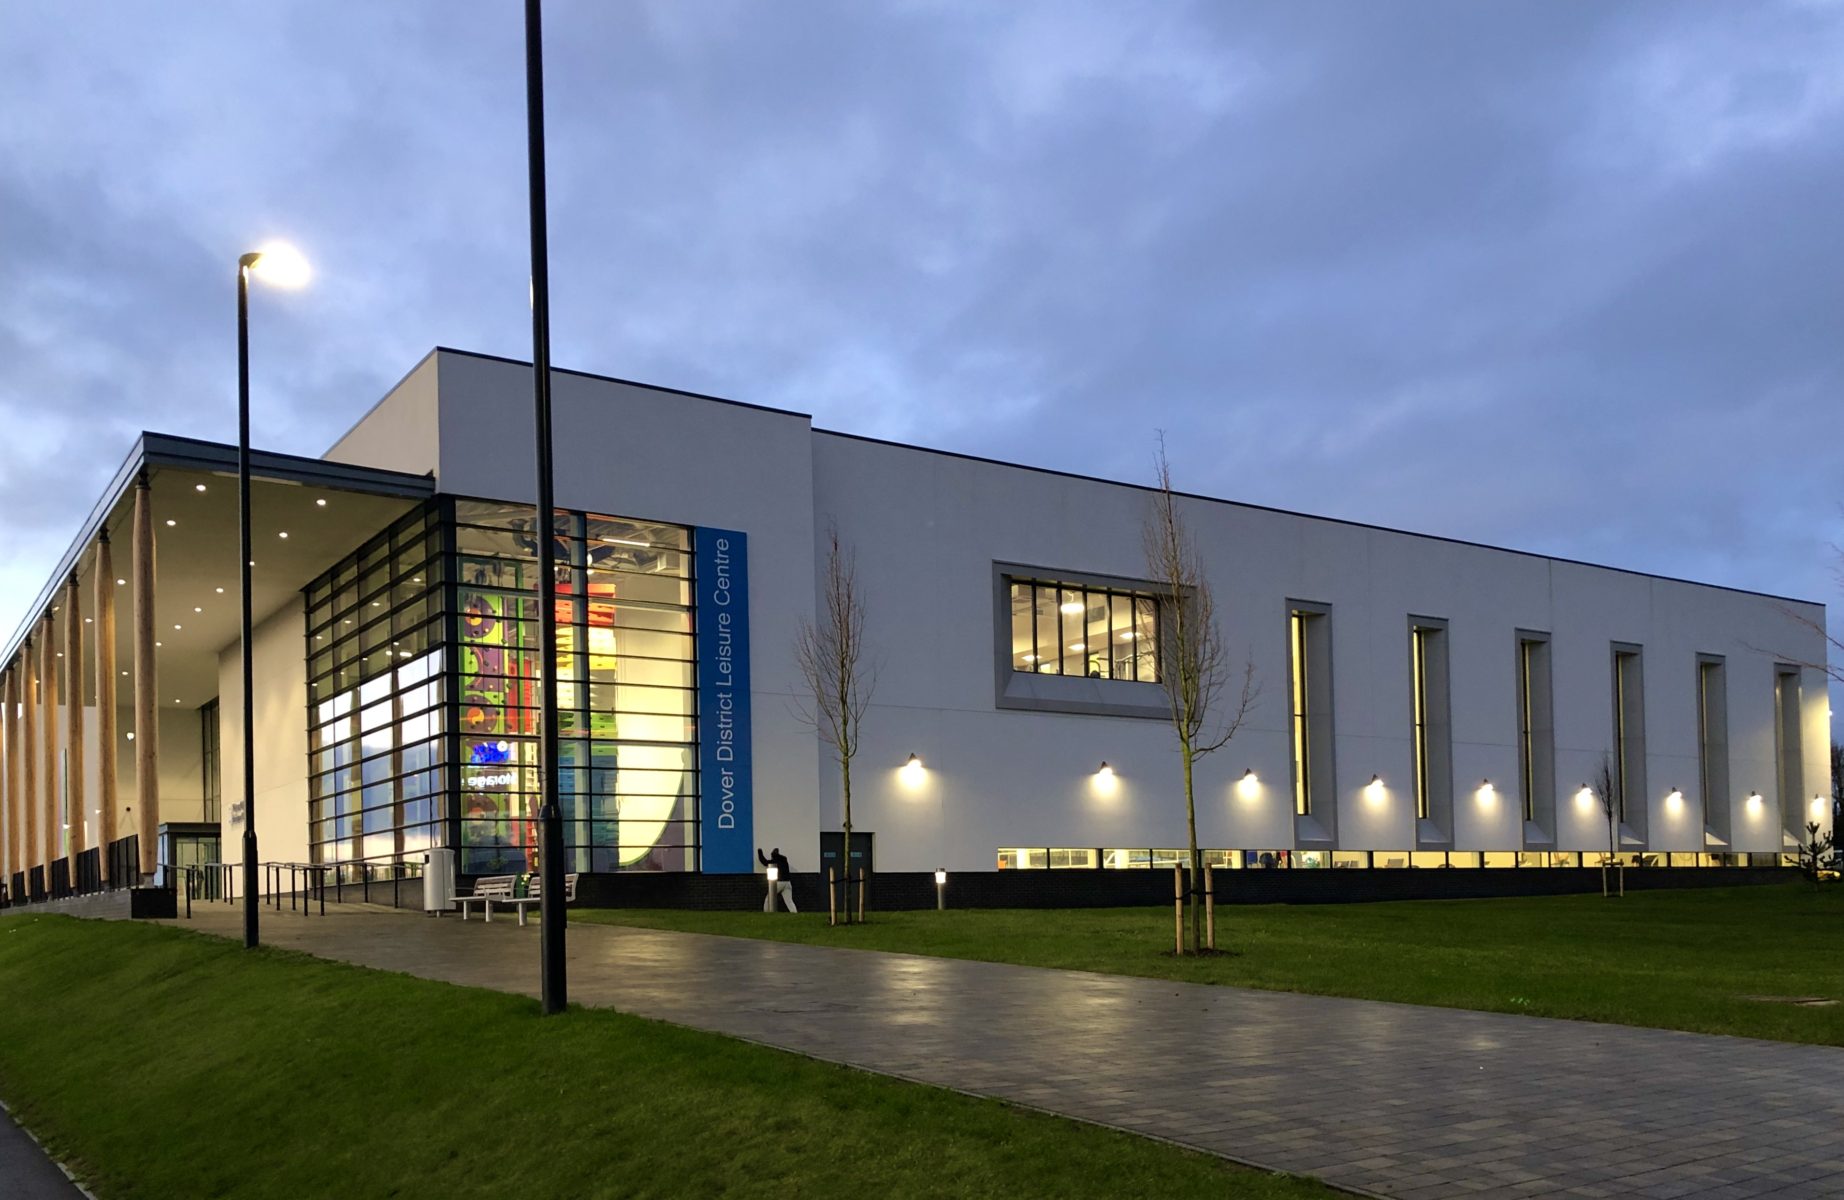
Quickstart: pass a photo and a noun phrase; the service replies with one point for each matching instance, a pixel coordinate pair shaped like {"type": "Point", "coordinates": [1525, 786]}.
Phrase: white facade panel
{"type": "Point", "coordinates": [933, 534]}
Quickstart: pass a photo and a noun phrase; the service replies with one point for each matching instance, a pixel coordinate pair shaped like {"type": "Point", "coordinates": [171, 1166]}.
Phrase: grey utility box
{"type": "Point", "coordinates": [438, 881]}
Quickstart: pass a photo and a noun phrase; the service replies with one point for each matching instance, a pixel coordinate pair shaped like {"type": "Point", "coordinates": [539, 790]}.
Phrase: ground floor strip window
{"type": "Point", "coordinates": [1142, 858]}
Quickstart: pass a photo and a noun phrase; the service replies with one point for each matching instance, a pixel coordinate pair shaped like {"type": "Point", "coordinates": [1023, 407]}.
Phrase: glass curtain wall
{"type": "Point", "coordinates": [627, 715]}
{"type": "Point", "coordinates": [375, 689]}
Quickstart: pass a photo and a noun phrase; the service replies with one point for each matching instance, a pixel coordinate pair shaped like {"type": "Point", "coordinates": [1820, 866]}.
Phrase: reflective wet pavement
{"type": "Point", "coordinates": [1391, 1099]}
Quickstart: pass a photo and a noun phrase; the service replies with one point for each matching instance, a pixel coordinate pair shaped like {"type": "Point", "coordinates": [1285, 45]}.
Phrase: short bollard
{"type": "Point", "coordinates": [774, 878]}
{"type": "Point", "coordinates": [941, 889]}
{"type": "Point", "coordinates": [1178, 909]}
{"type": "Point", "coordinates": [1210, 907]}
{"type": "Point", "coordinates": [832, 897]}
{"type": "Point", "coordinates": [863, 878]}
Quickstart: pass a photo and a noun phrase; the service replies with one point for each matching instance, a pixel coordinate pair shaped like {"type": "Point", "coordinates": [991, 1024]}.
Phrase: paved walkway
{"type": "Point", "coordinates": [1393, 1099]}
{"type": "Point", "coordinates": [25, 1172]}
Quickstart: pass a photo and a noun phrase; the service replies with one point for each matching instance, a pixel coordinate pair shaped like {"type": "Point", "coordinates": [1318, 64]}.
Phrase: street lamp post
{"type": "Point", "coordinates": [283, 266]}
{"type": "Point", "coordinates": [554, 987]}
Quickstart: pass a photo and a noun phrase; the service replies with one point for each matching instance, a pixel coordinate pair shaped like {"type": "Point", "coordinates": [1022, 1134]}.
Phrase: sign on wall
{"type": "Point", "coordinates": [725, 807]}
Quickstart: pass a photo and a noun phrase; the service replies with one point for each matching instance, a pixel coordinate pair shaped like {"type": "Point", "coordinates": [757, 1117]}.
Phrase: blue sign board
{"type": "Point", "coordinates": [726, 810]}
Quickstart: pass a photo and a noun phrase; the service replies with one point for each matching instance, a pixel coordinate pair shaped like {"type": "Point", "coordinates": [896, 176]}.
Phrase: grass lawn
{"type": "Point", "coordinates": [161, 1063]}
{"type": "Point", "coordinates": [1675, 960]}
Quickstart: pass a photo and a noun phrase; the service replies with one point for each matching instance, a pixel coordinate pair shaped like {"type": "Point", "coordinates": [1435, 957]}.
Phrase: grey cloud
{"type": "Point", "coordinates": [1433, 265]}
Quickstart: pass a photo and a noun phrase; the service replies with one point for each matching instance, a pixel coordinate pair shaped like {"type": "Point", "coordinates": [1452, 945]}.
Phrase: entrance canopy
{"type": "Point", "coordinates": [323, 508]}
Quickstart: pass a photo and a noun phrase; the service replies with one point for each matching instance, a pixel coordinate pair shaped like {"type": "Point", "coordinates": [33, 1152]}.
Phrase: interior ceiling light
{"type": "Point", "coordinates": [320, 503]}
{"type": "Point", "coordinates": [170, 521]}
{"type": "Point", "coordinates": [282, 534]}
{"type": "Point", "coordinates": [196, 608]}
{"type": "Point", "coordinates": [198, 487]}
{"type": "Point", "coordinates": [220, 591]}
{"type": "Point", "coordinates": [1072, 606]}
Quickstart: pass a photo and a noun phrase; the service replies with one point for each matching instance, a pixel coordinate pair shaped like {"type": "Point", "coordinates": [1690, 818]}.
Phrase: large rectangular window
{"type": "Point", "coordinates": [626, 690]}
{"type": "Point", "coordinates": [1309, 687]}
{"type": "Point", "coordinates": [1536, 735]}
{"type": "Point", "coordinates": [1629, 735]}
{"type": "Point", "coordinates": [1084, 631]}
{"type": "Point", "coordinates": [424, 685]}
{"type": "Point", "coordinates": [1713, 744]}
{"type": "Point", "coordinates": [1431, 726]}
{"type": "Point", "coordinates": [1789, 766]}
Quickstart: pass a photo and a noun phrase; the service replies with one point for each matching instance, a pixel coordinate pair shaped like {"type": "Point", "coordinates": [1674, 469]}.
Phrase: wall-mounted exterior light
{"type": "Point", "coordinates": [1249, 786]}
{"type": "Point", "coordinates": [1818, 808]}
{"type": "Point", "coordinates": [1105, 781]}
{"type": "Point", "coordinates": [1104, 771]}
{"type": "Point", "coordinates": [1754, 802]}
{"type": "Point", "coordinates": [1487, 794]}
{"type": "Point", "coordinates": [1585, 797]}
{"type": "Point", "coordinates": [913, 771]}
{"type": "Point", "coordinates": [1375, 791]}
{"type": "Point", "coordinates": [1674, 800]}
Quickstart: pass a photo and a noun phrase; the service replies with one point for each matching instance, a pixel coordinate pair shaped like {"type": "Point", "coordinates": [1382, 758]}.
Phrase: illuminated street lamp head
{"type": "Point", "coordinates": [277, 263]}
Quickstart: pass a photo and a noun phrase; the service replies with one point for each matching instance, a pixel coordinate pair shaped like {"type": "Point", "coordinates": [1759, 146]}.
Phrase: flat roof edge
{"type": "Point", "coordinates": [651, 387]}
{"type": "Point", "coordinates": [1287, 512]}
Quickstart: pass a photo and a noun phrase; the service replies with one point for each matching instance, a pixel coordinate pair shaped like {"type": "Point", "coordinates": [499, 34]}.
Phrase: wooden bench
{"type": "Point", "coordinates": [487, 889]}
{"type": "Point", "coordinates": [534, 894]}
{"type": "Point", "coordinates": [490, 890]}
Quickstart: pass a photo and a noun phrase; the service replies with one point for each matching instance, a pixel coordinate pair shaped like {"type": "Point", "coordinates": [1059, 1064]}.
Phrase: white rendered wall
{"type": "Point", "coordinates": [400, 432]}
{"type": "Point", "coordinates": [280, 671]}
{"type": "Point", "coordinates": [927, 529]}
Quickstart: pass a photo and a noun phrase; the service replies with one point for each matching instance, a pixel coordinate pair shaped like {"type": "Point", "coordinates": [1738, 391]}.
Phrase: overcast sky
{"type": "Point", "coordinates": [1563, 276]}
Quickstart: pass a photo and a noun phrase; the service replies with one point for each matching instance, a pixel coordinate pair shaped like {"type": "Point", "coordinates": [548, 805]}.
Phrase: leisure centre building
{"type": "Point", "coordinates": [1424, 701]}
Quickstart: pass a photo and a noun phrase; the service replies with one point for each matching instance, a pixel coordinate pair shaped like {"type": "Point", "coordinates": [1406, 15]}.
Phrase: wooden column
{"type": "Point", "coordinates": [73, 722]}
{"type": "Point", "coordinates": [105, 702]}
{"type": "Point", "coordinates": [146, 698]}
{"type": "Point", "coordinates": [48, 728]}
{"type": "Point", "coordinates": [9, 756]}
{"type": "Point", "coordinates": [15, 765]}
{"type": "Point", "coordinates": [28, 757]}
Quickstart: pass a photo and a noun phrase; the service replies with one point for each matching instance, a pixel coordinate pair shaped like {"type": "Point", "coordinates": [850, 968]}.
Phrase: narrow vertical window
{"type": "Point", "coordinates": [1418, 654]}
{"type": "Point", "coordinates": [1309, 686]}
{"type": "Point", "coordinates": [1024, 628]}
{"type": "Point", "coordinates": [1789, 774]}
{"type": "Point", "coordinates": [1629, 755]}
{"type": "Point", "coordinates": [1713, 744]}
{"type": "Point", "coordinates": [1526, 751]}
{"type": "Point", "coordinates": [1431, 742]}
{"type": "Point", "coordinates": [1049, 632]}
{"type": "Point", "coordinates": [1536, 737]}
{"type": "Point", "coordinates": [1302, 733]}
{"type": "Point", "coordinates": [1074, 648]}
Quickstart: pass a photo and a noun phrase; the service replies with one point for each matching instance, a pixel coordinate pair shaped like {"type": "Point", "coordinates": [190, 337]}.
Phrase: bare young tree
{"type": "Point", "coordinates": [1607, 791]}
{"type": "Point", "coordinates": [839, 679]}
{"type": "Point", "coordinates": [1209, 698]}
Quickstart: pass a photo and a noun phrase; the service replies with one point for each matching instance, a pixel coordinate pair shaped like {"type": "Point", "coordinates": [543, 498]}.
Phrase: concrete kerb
{"type": "Point", "coordinates": [21, 1126]}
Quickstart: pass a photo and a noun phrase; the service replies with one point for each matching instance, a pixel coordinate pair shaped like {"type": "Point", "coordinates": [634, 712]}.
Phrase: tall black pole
{"type": "Point", "coordinates": [243, 576]}
{"type": "Point", "coordinates": [550, 816]}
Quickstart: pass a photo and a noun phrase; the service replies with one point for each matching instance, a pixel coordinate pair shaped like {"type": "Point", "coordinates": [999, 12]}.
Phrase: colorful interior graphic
{"type": "Point", "coordinates": [614, 819]}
